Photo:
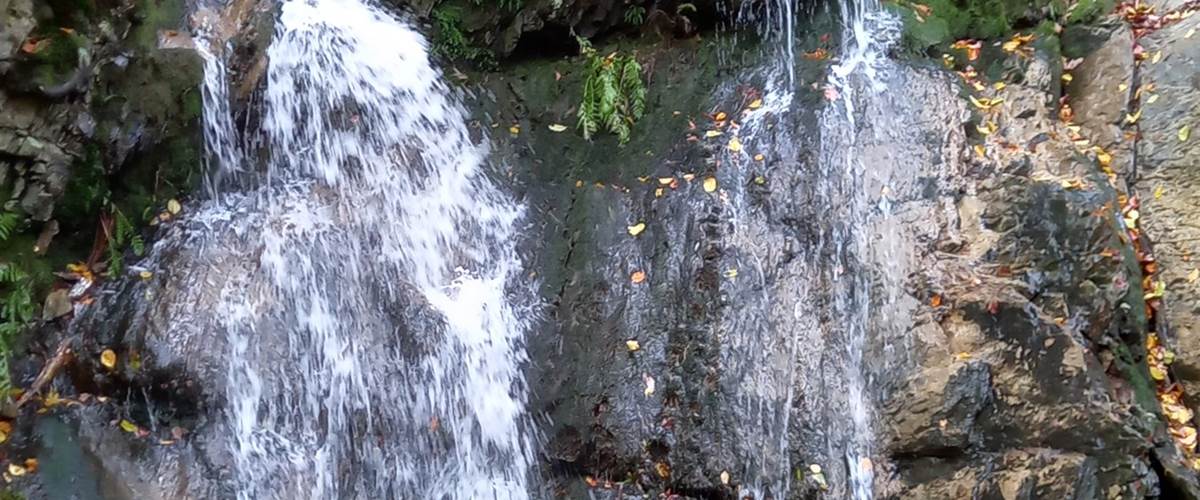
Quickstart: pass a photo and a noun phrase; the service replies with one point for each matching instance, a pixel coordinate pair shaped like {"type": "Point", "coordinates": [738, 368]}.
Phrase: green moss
{"type": "Point", "coordinates": [154, 15]}
{"type": "Point", "coordinates": [57, 60]}
{"type": "Point", "coordinates": [950, 20]}
{"type": "Point", "coordinates": [450, 42]}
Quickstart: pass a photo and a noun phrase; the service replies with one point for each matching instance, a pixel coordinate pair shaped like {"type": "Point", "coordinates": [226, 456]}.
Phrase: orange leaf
{"type": "Point", "coordinates": [637, 277]}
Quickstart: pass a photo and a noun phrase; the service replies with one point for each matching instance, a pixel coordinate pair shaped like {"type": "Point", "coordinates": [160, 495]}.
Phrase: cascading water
{"type": "Point", "coordinates": [810, 356]}
{"type": "Point", "coordinates": [857, 78]}
{"type": "Point", "coordinates": [376, 340]}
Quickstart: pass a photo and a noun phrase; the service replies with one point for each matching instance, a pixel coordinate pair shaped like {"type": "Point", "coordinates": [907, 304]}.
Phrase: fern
{"type": "Point", "coordinates": [122, 235]}
{"type": "Point", "coordinates": [9, 223]}
{"type": "Point", "coordinates": [16, 312]}
{"type": "Point", "coordinates": [614, 96]}
{"type": "Point", "coordinates": [635, 15]}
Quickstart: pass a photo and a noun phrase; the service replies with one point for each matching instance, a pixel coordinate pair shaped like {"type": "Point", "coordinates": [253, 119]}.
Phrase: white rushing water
{"type": "Point", "coordinates": [857, 78]}
{"type": "Point", "coordinates": [376, 342]}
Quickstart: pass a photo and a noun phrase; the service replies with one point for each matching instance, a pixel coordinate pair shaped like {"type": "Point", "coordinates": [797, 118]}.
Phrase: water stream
{"type": "Point", "coordinates": [376, 342]}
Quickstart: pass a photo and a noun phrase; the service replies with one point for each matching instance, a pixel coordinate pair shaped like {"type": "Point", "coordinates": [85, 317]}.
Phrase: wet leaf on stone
{"type": "Point", "coordinates": [1152, 99]}
{"type": "Point", "coordinates": [735, 145]}
{"type": "Point", "coordinates": [174, 207]}
{"type": "Point", "coordinates": [1157, 373]}
{"type": "Point", "coordinates": [108, 358]}
{"type": "Point", "coordinates": [713, 133]}
{"type": "Point", "coordinates": [128, 426]}
{"type": "Point", "coordinates": [632, 345]}
{"type": "Point", "coordinates": [759, 157]}
{"type": "Point", "coordinates": [1193, 276]}
{"type": "Point", "coordinates": [710, 184]}
{"type": "Point", "coordinates": [663, 470]}
{"type": "Point", "coordinates": [637, 277]}
{"type": "Point", "coordinates": [637, 229]}
{"type": "Point", "coordinates": [725, 477]}
{"type": "Point", "coordinates": [556, 127]}
{"type": "Point", "coordinates": [649, 381]}
{"type": "Point", "coordinates": [755, 104]}
{"type": "Point", "coordinates": [1184, 133]}
{"type": "Point", "coordinates": [16, 470]}
{"type": "Point", "coordinates": [731, 273]}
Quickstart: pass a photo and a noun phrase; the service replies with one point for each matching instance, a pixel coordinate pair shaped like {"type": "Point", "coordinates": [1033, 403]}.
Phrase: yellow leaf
{"type": "Point", "coordinates": [3, 437]}
{"type": "Point", "coordinates": [16, 470]}
{"type": "Point", "coordinates": [174, 207]}
{"type": "Point", "coordinates": [814, 468]}
{"type": "Point", "coordinates": [1184, 133]}
{"type": "Point", "coordinates": [759, 157]}
{"type": "Point", "coordinates": [1152, 99]}
{"type": "Point", "coordinates": [999, 85]}
{"type": "Point", "coordinates": [755, 104]}
{"type": "Point", "coordinates": [51, 399]}
{"type": "Point", "coordinates": [720, 116]}
{"type": "Point", "coordinates": [637, 277]}
{"type": "Point", "coordinates": [1157, 57]}
{"type": "Point", "coordinates": [731, 273]}
{"type": "Point", "coordinates": [712, 133]}
{"type": "Point", "coordinates": [980, 150]}
{"type": "Point", "coordinates": [637, 229]}
{"type": "Point", "coordinates": [1193, 276]}
{"type": "Point", "coordinates": [128, 426]}
{"type": "Point", "coordinates": [1158, 192]}
{"type": "Point", "coordinates": [724, 477]}
{"type": "Point", "coordinates": [145, 275]}
{"type": "Point", "coordinates": [1066, 78]}
{"type": "Point", "coordinates": [1123, 87]}
{"type": "Point", "coordinates": [556, 127]}
{"type": "Point", "coordinates": [632, 345]}
{"type": "Point", "coordinates": [1133, 118]}
{"type": "Point", "coordinates": [710, 184]}
{"type": "Point", "coordinates": [735, 145]}
{"type": "Point", "coordinates": [108, 358]}
{"type": "Point", "coordinates": [1157, 373]}
{"type": "Point", "coordinates": [514, 130]}
{"type": "Point", "coordinates": [760, 180]}
{"type": "Point", "coordinates": [1189, 35]}
{"type": "Point", "coordinates": [666, 181]}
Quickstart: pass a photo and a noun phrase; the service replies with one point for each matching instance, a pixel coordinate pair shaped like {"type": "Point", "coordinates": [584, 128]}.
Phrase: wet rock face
{"type": "Point", "coordinates": [1167, 178]}
{"type": "Point", "coordinates": [1031, 360]}
{"type": "Point", "coordinates": [132, 100]}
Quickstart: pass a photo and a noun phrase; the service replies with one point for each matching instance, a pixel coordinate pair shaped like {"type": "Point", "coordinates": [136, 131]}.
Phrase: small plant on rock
{"type": "Point", "coordinates": [614, 96]}
{"type": "Point", "coordinates": [16, 299]}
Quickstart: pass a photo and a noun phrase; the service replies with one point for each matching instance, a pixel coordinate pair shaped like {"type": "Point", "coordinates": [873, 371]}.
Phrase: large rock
{"type": "Point", "coordinates": [1168, 181]}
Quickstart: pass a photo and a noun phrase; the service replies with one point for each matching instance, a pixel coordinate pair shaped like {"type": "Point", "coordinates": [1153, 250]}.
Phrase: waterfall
{"type": "Point", "coordinates": [862, 232]}
{"type": "Point", "coordinates": [376, 337]}
{"type": "Point", "coordinates": [800, 342]}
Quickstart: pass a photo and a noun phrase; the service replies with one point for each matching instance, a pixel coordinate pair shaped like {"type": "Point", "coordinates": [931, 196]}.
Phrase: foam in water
{"type": "Point", "coordinates": [376, 346]}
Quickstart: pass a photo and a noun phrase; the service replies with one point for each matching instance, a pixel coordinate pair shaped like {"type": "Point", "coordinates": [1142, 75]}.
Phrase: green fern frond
{"type": "Point", "coordinates": [614, 95]}
{"type": "Point", "coordinates": [9, 223]}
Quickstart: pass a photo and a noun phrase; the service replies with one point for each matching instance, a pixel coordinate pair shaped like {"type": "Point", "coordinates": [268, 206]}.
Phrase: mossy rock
{"type": "Point", "coordinates": [950, 20]}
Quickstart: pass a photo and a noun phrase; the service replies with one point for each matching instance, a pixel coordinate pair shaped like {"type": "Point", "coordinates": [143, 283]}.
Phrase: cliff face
{"type": "Point", "coordinates": [1022, 341]}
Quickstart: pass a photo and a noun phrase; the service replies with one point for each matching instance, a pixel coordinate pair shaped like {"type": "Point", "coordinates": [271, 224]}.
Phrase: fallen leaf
{"type": "Point", "coordinates": [16, 470]}
{"type": "Point", "coordinates": [556, 127]}
{"type": "Point", "coordinates": [1193, 276]}
{"type": "Point", "coordinates": [731, 273]}
{"type": "Point", "coordinates": [713, 133]}
{"type": "Point", "coordinates": [1157, 373]}
{"type": "Point", "coordinates": [666, 181]}
{"type": "Point", "coordinates": [108, 358]}
{"type": "Point", "coordinates": [146, 275]}
{"type": "Point", "coordinates": [663, 470]}
{"type": "Point", "coordinates": [514, 130]}
{"type": "Point", "coordinates": [755, 104]}
{"type": "Point", "coordinates": [1158, 192]}
{"type": "Point", "coordinates": [936, 300]}
{"type": "Point", "coordinates": [1184, 133]}
{"type": "Point", "coordinates": [814, 468]}
{"type": "Point", "coordinates": [759, 157]}
{"type": "Point", "coordinates": [735, 145]}
{"type": "Point", "coordinates": [962, 356]}
{"type": "Point", "coordinates": [1156, 58]}
{"type": "Point", "coordinates": [720, 116]}
{"type": "Point", "coordinates": [710, 184]}
{"type": "Point", "coordinates": [128, 426]}
{"type": "Point", "coordinates": [31, 465]}
{"type": "Point", "coordinates": [637, 229]}
{"type": "Point", "coordinates": [1133, 118]}
{"type": "Point", "coordinates": [637, 277]}
{"type": "Point", "coordinates": [174, 207]}
{"type": "Point", "coordinates": [1152, 99]}
{"type": "Point", "coordinates": [632, 345]}
{"type": "Point", "coordinates": [591, 481]}
{"type": "Point", "coordinates": [1066, 78]}
{"type": "Point", "coordinates": [725, 477]}
{"type": "Point", "coordinates": [649, 381]}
